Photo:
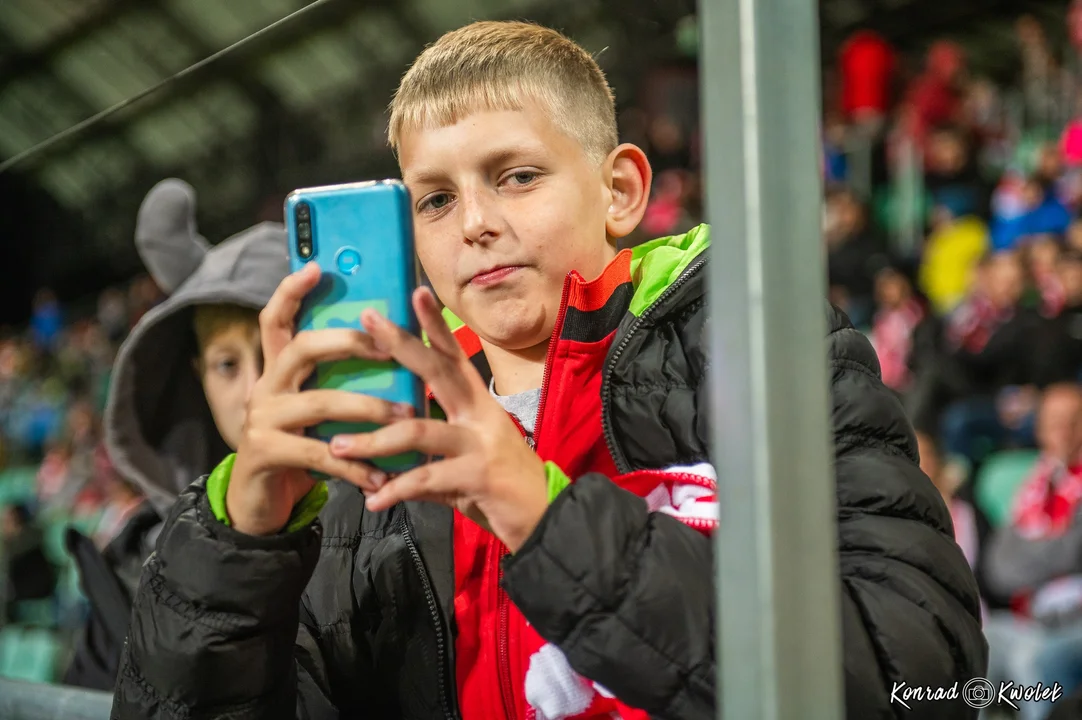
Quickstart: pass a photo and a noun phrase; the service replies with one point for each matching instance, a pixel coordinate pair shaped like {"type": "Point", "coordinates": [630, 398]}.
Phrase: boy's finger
{"type": "Point", "coordinates": [435, 481]}
{"type": "Point", "coordinates": [428, 437]}
{"type": "Point", "coordinates": [300, 356]}
{"type": "Point", "coordinates": [299, 410]}
{"type": "Point", "coordinates": [450, 380]}
{"type": "Point", "coordinates": [276, 319]}
{"type": "Point", "coordinates": [432, 322]}
{"type": "Point", "coordinates": [286, 450]}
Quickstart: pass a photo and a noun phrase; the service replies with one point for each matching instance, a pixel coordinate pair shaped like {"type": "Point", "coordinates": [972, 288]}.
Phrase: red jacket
{"type": "Point", "coordinates": [503, 667]}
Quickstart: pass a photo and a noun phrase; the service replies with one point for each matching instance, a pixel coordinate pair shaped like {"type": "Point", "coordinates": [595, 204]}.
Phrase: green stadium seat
{"type": "Point", "coordinates": [39, 613]}
{"type": "Point", "coordinates": [10, 638]}
{"type": "Point", "coordinates": [30, 655]}
{"type": "Point", "coordinates": [998, 481]}
{"type": "Point", "coordinates": [39, 652]}
{"type": "Point", "coordinates": [17, 485]}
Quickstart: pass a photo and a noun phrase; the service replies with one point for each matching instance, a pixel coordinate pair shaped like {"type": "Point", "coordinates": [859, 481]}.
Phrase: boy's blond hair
{"type": "Point", "coordinates": [503, 66]}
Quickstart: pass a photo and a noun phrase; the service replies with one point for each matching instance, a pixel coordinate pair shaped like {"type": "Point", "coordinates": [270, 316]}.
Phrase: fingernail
{"type": "Point", "coordinates": [378, 479]}
{"type": "Point", "coordinates": [340, 442]}
{"type": "Point", "coordinates": [402, 410]}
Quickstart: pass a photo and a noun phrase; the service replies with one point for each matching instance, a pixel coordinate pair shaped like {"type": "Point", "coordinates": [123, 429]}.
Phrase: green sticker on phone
{"type": "Point", "coordinates": [354, 374]}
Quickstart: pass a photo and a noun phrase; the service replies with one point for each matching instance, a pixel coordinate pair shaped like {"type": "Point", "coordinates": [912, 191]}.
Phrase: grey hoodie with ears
{"type": "Point", "coordinates": [158, 426]}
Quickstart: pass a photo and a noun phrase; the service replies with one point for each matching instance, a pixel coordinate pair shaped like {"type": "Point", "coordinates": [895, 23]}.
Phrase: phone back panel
{"type": "Point", "coordinates": [362, 240]}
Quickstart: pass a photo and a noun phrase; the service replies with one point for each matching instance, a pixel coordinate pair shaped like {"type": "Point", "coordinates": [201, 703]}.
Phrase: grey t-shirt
{"type": "Point", "coordinates": [522, 405]}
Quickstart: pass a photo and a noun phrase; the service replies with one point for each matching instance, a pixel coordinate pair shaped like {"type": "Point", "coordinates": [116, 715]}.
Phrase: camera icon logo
{"type": "Point", "coordinates": [978, 693]}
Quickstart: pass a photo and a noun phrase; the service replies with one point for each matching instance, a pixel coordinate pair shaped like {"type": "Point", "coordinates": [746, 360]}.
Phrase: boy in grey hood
{"type": "Point", "coordinates": [178, 396]}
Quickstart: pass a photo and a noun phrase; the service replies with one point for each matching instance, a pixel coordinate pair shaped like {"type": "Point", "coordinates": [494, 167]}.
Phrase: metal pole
{"type": "Point", "coordinates": [778, 635]}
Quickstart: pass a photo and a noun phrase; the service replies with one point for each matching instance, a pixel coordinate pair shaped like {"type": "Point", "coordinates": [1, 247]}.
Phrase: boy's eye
{"type": "Point", "coordinates": [226, 367]}
{"type": "Point", "coordinates": [436, 201]}
{"type": "Point", "coordinates": [523, 177]}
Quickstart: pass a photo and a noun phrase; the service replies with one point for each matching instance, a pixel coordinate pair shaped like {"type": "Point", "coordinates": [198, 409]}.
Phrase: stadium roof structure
{"type": "Point", "coordinates": [304, 103]}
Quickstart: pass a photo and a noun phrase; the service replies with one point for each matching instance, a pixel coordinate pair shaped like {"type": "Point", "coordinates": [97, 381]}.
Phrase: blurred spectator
{"type": "Point", "coordinates": [113, 314]}
{"type": "Point", "coordinates": [984, 115]}
{"type": "Point", "coordinates": [835, 161]}
{"type": "Point", "coordinates": [958, 241]}
{"type": "Point", "coordinates": [900, 318]}
{"type": "Point", "coordinates": [1042, 254]}
{"type": "Point", "coordinates": [1059, 349]}
{"type": "Point", "coordinates": [668, 144]}
{"type": "Point", "coordinates": [990, 342]}
{"type": "Point", "coordinates": [948, 479]}
{"type": "Point", "coordinates": [29, 574]}
{"type": "Point", "coordinates": [867, 64]}
{"type": "Point", "coordinates": [935, 97]}
{"type": "Point", "coordinates": [122, 501]}
{"type": "Point", "coordinates": [1036, 560]}
{"type": "Point", "coordinates": [1043, 81]}
{"type": "Point", "coordinates": [45, 322]}
{"type": "Point", "coordinates": [54, 470]}
{"type": "Point", "coordinates": [667, 213]}
{"type": "Point", "coordinates": [143, 294]}
{"type": "Point", "coordinates": [1032, 208]}
{"type": "Point", "coordinates": [852, 254]}
{"type": "Point", "coordinates": [951, 176]}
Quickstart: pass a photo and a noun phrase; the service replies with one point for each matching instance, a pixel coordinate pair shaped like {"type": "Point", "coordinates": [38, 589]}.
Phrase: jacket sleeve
{"type": "Point", "coordinates": [628, 595]}
{"type": "Point", "coordinates": [909, 601]}
{"type": "Point", "coordinates": [1015, 563]}
{"type": "Point", "coordinates": [216, 627]}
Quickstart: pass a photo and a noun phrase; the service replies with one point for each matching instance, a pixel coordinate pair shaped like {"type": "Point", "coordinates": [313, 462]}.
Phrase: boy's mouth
{"type": "Point", "coordinates": [495, 275]}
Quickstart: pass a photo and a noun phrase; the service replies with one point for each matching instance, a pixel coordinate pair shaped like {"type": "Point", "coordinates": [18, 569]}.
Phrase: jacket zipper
{"type": "Point", "coordinates": [606, 382]}
{"type": "Point", "coordinates": [434, 613]}
{"type": "Point", "coordinates": [503, 657]}
{"type": "Point", "coordinates": [503, 603]}
{"type": "Point", "coordinates": [550, 357]}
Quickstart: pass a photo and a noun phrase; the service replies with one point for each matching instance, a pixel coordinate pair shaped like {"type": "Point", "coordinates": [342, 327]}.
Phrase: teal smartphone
{"type": "Point", "coordinates": [361, 237]}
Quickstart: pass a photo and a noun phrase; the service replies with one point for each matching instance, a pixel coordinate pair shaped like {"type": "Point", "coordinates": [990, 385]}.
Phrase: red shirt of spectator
{"type": "Point", "coordinates": [867, 65]}
{"type": "Point", "coordinates": [934, 98]}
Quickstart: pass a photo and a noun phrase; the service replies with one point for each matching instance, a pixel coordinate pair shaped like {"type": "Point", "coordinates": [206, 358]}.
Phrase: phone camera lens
{"type": "Point", "coordinates": [302, 217]}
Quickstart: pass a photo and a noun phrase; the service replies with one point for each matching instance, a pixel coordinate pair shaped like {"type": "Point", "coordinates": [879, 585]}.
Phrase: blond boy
{"type": "Point", "coordinates": [556, 561]}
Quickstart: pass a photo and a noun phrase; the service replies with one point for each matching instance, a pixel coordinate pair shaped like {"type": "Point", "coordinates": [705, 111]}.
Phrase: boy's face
{"type": "Point", "coordinates": [505, 206]}
{"type": "Point", "coordinates": [1070, 277]}
{"type": "Point", "coordinates": [231, 363]}
{"type": "Point", "coordinates": [891, 289]}
{"type": "Point", "coordinates": [1005, 280]}
{"type": "Point", "coordinates": [1059, 424]}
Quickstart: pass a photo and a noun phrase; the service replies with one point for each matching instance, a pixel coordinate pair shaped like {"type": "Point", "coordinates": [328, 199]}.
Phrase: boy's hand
{"type": "Point", "coordinates": [270, 474]}
{"type": "Point", "coordinates": [488, 471]}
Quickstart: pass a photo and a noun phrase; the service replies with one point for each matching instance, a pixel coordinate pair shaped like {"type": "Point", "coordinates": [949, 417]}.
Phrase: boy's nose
{"type": "Point", "coordinates": [478, 218]}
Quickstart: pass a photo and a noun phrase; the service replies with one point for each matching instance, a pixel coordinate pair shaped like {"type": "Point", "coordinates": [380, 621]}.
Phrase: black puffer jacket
{"type": "Point", "coordinates": [224, 627]}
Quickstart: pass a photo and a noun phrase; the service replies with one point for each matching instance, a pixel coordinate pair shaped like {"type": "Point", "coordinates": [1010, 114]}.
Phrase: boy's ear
{"type": "Point", "coordinates": [629, 176]}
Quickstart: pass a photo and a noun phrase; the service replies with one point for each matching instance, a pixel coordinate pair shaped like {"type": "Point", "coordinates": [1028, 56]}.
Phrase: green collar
{"type": "Point", "coordinates": [655, 265]}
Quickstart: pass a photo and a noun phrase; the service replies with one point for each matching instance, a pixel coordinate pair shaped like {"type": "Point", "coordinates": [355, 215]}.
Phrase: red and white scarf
{"type": "Point", "coordinates": [972, 325]}
{"type": "Point", "coordinates": [1049, 500]}
{"type": "Point", "coordinates": [892, 337]}
{"type": "Point", "coordinates": [554, 691]}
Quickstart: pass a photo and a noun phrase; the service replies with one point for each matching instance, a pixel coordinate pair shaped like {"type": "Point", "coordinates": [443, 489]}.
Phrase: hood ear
{"type": "Point", "coordinates": [166, 236]}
